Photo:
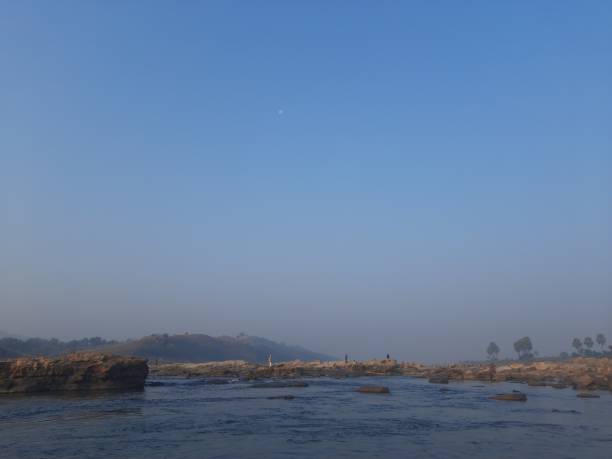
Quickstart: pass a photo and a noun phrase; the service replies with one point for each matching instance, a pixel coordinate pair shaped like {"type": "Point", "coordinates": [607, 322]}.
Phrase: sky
{"type": "Point", "coordinates": [415, 178]}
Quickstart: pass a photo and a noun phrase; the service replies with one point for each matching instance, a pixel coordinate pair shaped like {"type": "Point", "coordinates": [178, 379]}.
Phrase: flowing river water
{"type": "Point", "coordinates": [189, 419]}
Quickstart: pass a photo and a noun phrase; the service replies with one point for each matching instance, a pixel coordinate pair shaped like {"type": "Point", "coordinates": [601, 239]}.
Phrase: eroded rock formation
{"type": "Point", "coordinates": [77, 372]}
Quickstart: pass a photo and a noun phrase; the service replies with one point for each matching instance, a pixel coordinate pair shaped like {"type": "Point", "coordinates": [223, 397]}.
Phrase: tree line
{"type": "Point", "coordinates": [524, 348]}
{"type": "Point", "coordinates": [47, 347]}
{"type": "Point", "coordinates": [585, 347]}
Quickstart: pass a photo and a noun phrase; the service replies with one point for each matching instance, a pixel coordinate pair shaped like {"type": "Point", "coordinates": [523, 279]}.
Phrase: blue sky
{"type": "Point", "coordinates": [361, 177]}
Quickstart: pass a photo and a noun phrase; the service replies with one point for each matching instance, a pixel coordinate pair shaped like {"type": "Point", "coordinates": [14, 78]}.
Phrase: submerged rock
{"type": "Point", "coordinates": [217, 381]}
{"type": "Point", "coordinates": [76, 372]}
{"type": "Point", "coordinates": [559, 386]}
{"type": "Point", "coordinates": [157, 384]}
{"type": "Point", "coordinates": [439, 379]}
{"type": "Point", "coordinates": [587, 395]}
{"type": "Point", "coordinates": [279, 384]}
{"type": "Point", "coordinates": [373, 390]}
{"type": "Point", "coordinates": [534, 383]}
{"type": "Point", "coordinates": [511, 397]}
{"type": "Point", "coordinates": [281, 397]}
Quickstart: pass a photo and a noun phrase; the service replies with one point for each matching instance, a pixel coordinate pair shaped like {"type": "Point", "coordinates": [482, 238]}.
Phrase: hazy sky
{"type": "Point", "coordinates": [414, 177]}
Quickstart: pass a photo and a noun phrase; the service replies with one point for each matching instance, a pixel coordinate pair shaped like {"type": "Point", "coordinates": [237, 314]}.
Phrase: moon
{"type": "Point", "coordinates": [280, 112]}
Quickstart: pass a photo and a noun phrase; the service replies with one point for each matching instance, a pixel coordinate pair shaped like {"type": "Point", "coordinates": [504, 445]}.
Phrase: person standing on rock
{"type": "Point", "coordinates": [345, 358]}
{"type": "Point", "coordinates": [492, 372]}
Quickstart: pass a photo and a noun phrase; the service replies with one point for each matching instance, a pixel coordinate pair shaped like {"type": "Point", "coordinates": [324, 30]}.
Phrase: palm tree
{"type": "Point", "coordinates": [601, 340]}
{"type": "Point", "coordinates": [493, 350]}
{"type": "Point", "coordinates": [576, 343]}
{"type": "Point", "coordinates": [588, 342]}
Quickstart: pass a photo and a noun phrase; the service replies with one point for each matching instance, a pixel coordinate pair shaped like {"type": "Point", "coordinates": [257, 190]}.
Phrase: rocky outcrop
{"type": "Point", "coordinates": [583, 373]}
{"type": "Point", "coordinates": [293, 369]}
{"type": "Point", "coordinates": [77, 372]}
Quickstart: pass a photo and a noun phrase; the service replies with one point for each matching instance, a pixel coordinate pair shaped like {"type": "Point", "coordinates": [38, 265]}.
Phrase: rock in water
{"type": "Point", "coordinates": [534, 383]}
{"type": "Point", "coordinates": [587, 395]}
{"type": "Point", "coordinates": [217, 381]}
{"type": "Point", "coordinates": [373, 390]}
{"type": "Point", "coordinates": [439, 379]}
{"type": "Point", "coordinates": [511, 397]}
{"type": "Point", "coordinates": [559, 386]}
{"type": "Point", "coordinates": [76, 372]}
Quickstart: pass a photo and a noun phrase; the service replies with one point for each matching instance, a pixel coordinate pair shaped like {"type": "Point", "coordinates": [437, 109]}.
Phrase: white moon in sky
{"type": "Point", "coordinates": [281, 111]}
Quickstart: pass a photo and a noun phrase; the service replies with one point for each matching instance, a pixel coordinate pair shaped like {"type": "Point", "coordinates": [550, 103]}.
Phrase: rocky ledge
{"type": "Point", "coordinates": [293, 369]}
{"type": "Point", "coordinates": [77, 372]}
{"type": "Point", "coordinates": [580, 373]}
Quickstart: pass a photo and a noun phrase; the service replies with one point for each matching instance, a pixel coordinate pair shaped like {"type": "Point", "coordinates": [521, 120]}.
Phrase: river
{"type": "Point", "coordinates": [189, 419]}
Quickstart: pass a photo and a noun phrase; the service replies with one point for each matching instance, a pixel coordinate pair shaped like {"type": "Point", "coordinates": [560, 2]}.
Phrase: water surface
{"type": "Point", "coordinates": [188, 419]}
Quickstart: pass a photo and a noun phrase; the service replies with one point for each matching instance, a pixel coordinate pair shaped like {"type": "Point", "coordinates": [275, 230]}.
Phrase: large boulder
{"type": "Point", "coordinates": [439, 378]}
{"type": "Point", "coordinates": [77, 372]}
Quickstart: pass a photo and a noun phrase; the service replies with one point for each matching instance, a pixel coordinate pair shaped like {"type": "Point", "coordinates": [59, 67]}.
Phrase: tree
{"type": "Point", "coordinates": [492, 350]}
{"type": "Point", "coordinates": [523, 347]}
{"type": "Point", "coordinates": [577, 344]}
{"type": "Point", "coordinates": [588, 342]}
{"type": "Point", "coordinates": [601, 340]}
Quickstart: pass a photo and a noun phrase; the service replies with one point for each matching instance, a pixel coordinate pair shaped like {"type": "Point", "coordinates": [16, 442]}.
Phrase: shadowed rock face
{"type": "Point", "coordinates": [78, 372]}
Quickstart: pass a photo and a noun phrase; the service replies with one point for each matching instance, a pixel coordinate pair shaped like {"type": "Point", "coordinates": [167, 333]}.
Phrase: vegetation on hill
{"type": "Point", "coordinates": [176, 348]}
{"type": "Point", "coordinates": [15, 347]}
{"type": "Point", "coordinates": [204, 348]}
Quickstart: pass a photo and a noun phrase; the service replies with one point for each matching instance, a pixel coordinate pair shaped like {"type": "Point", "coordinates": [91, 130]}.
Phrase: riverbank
{"type": "Point", "coordinates": [579, 373]}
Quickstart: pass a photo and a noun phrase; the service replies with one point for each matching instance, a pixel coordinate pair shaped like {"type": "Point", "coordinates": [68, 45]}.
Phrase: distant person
{"type": "Point", "coordinates": [388, 358]}
{"type": "Point", "coordinates": [345, 358]}
{"type": "Point", "coordinates": [270, 361]}
{"type": "Point", "coordinates": [492, 371]}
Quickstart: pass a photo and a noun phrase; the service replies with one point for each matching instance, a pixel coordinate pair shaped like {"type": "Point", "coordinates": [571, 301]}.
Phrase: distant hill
{"type": "Point", "coordinates": [176, 348]}
{"type": "Point", "coordinates": [4, 334]}
{"type": "Point", "coordinates": [16, 347]}
{"type": "Point", "coordinates": [203, 348]}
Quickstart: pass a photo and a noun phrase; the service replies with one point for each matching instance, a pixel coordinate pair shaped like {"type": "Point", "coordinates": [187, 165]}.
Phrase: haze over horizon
{"type": "Point", "coordinates": [411, 178]}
